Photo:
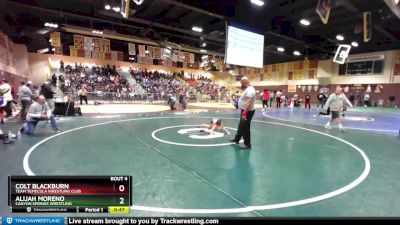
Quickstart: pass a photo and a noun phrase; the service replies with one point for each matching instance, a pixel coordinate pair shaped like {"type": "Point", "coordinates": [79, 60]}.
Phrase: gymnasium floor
{"type": "Point", "coordinates": [296, 168]}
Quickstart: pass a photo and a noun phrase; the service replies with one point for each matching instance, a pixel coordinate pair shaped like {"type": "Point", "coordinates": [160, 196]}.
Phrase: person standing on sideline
{"type": "Point", "coordinates": [82, 95]}
{"type": "Point", "coordinates": [7, 96]}
{"type": "Point", "coordinates": [246, 105]}
{"type": "Point", "coordinates": [25, 98]}
{"type": "Point", "coordinates": [278, 95]}
{"type": "Point", "coordinates": [265, 98]}
{"type": "Point", "coordinates": [320, 98]}
{"type": "Point", "coordinates": [307, 102]}
{"type": "Point", "coordinates": [271, 98]}
{"type": "Point", "coordinates": [336, 102]}
{"type": "Point", "coordinates": [38, 111]}
{"type": "Point", "coordinates": [48, 93]}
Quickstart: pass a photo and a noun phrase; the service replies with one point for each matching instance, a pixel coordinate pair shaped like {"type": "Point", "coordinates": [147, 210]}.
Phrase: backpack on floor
{"type": "Point", "coordinates": [78, 111]}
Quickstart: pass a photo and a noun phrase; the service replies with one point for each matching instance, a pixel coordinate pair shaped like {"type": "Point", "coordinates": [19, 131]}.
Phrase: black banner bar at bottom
{"type": "Point", "coordinates": [214, 221]}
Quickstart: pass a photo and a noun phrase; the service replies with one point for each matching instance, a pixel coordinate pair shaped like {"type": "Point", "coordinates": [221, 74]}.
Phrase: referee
{"type": "Point", "coordinates": [246, 106]}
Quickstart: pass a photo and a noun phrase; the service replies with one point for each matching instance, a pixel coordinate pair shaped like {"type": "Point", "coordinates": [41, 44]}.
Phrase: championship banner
{"type": "Point", "coordinates": [150, 49]}
{"type": "Point", "coordinates": [120, 56]}
{"type": "Point", "coordinates": [132, 49]}
{"type": "Point", "coordinates": [323, 10]}
{"type": "Point", "coordinates": [73, 51]}
{"type": "Point", "coordinates": [81, 53]}
{"type": "Point", "coordinates": [88, 54]}
{"type": "Point", "coordinates": [78, 41]}
{"type": "Point", "coordinates": [187, 57]}
{"type": "Point", "coordinates": [163, 53]}
{"type": "Point", "coordinates": [157, 53]}
{"type": "Point", "coordinates": [114, 56]}
{"type": "Point", "coordinates": [142, 50]}
{"type": "Point", "coordinates": [106, 45]}
{"type": "Point", "coordinates": [98, 44]}
{"type": "Point", "coordinates": [107, 55]}
{"type": "Point", "coordinates": [181, 56]}
{"type": "Point", "coordinates": [150, 61]}
{"type": "Point", "coordinates": [191, 57]}
{"type": "Point", "coordinates": [174, 57]}
{"type": "Point", "coordinates": [58, 50]}
{"type": "Point", "coordinates": [87, 43]}
{"type": "Point", "coordinates": [102, 55]}
{"type": "Point", "coordinates": [55, 38]}
{"type": "Point", "coordinates": [95, 54]}
{"type": "Point", "coordinates": [367, 26]}
{"type": "Point", "coordinates": [169, 63]}
{"type": "Point", "coordinates": [140, 59]}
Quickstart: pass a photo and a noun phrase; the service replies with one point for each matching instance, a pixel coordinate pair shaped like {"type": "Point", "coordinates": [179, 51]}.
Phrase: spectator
{"type": "Point", "coordinates": [48, 93]}
{"type": "Point", "coordinates": [265, 98]}
{"type": "Point", "coordinates": [82, 95]}
{"type": "Point", "coordinates": [7, 96]}
{"type": "Point", "coordinates": [25, 98]}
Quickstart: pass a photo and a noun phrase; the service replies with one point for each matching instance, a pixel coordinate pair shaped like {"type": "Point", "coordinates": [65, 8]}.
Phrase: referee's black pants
{"type": "Point", "coordinates": [244, 128]}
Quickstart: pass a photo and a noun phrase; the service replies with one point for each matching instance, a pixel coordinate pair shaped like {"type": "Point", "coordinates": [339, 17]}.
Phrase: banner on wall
{"type": "Point", "coordinates": [181, 56]}
{"type": "Point", "coordinates": [114, 56]}
{"type": "Point", "coordinates": [102, 55]}
{"type": "Point", "coordinates": [73, 51]}
{"type": "Point", "coordinates": [106, 45]}
{"type": "Point", "coordinates": [78, 41]}
{"type": "Point", "coordinates": [292, 88]}
{"type": "Point", "coordinates": [150, 49]}
{"type": "Point", "coordinates": [140, 59]}
{"type": "Point", "coordinates": [55, 38]}
{"type": "Point", "coordinates": [98, 44]}
{"type": "Point", "coordinates": [81, 53]}
{"type": "Point", "coordinates": [397, 63]}
{"type": "Point", "coordinates": [191, 57]}
{"type": "Point", "coordinates": [142, 50]}
{"type": "Point", "coordinates": [87, 43]}
{"type": "Point", "coordinates": [107, 55]}
{"type": "Point", "coordinates": [88, 54]}
{"type": "Point", "coordinates": [120, 56]}
{"type": "Point", "coordinates": [157, 53]}
{"type": "Point", "coordinates": [58, 50]}
{"type": "Point", "coordinates": [95, 54]}
{"type": "Point", "coordinates": [132, 48]}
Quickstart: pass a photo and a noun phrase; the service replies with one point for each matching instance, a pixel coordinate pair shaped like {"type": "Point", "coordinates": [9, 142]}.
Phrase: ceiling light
{"type": "Point", "coordinates": [257, 2]}
{"type": "Point", "coordinates": [204, 44]}
{"type": "Point", "coordinates": [197, 29]}
{"type": "Point", "coordinates": [354, 44]}
{"type": "Point", "coordinates": [147, 51]}
{"type": "Point", "coordinates": [281, 49]}
{"type": "Point", "coordinates": [202, 50]}
{"type": "Point", "coordinates": [107, 7]}
{"type": "Point", "coordinates": [296, 53]}
{"type": "Point", "coordinates": [116, 9]}
{"type": "Point", "coordinates": [339, 37]}
{"type": "Point", "coordinates": [50, 40]}
{"type": "Point", "coordinates": [305, 22]}
{"type": "Point", "coordinates": [53, 49]}
{"type": "Point", "coordinates": [43, 50]}
{"type": "Point", "coordinates": [54, 25]}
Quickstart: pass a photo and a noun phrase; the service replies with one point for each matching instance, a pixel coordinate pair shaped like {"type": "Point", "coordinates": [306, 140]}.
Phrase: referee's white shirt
{"type": "Point", "coordinates": [249, 93]}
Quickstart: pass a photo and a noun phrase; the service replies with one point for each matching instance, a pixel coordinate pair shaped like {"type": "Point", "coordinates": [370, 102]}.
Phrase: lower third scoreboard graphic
{"type": "Point", "coordinates": [80, 194]}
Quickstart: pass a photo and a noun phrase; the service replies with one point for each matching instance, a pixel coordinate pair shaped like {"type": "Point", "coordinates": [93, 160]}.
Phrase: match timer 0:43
{"type": "Point", "coordinates": [84, 194]}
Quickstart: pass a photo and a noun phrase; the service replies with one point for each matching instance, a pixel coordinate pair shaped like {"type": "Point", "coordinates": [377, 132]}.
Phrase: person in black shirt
{"type": "Point", "coordinates": [48, 94]}
{"type": "Point", "coordinates": [307, 102]}
{"type": "Point", "coordinates": [320, 98]}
